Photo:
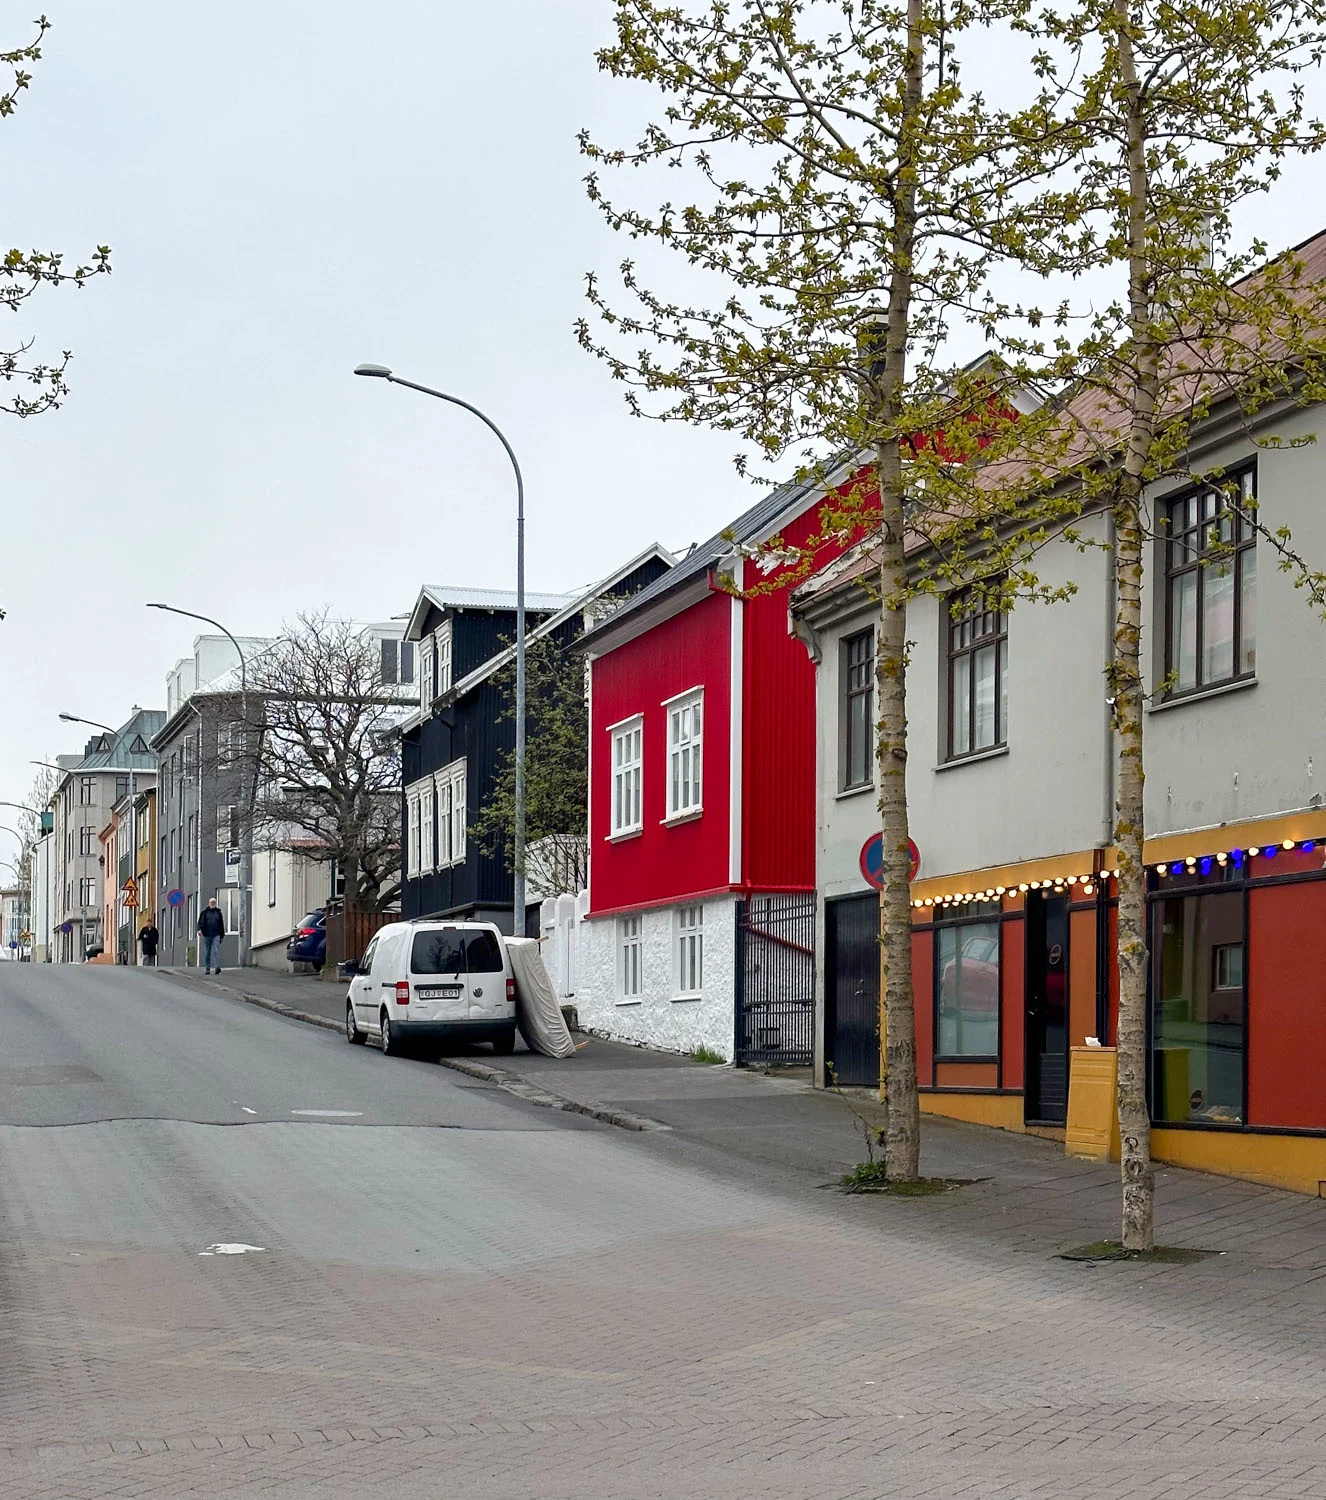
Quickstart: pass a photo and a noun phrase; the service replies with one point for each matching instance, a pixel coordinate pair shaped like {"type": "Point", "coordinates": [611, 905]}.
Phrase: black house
{"type": "Point", "coordinates": [451, 749]}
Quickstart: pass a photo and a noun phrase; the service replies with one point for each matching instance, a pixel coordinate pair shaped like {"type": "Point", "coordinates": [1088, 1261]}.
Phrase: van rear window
{"type": "Point", "coordinates": [438, 953]}
{"type": "Point", "coordinates": [483, 952]}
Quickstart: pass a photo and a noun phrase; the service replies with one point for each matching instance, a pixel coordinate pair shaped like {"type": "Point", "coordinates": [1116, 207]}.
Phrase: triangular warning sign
{"type": "Point", "coordinates": [131, 887]}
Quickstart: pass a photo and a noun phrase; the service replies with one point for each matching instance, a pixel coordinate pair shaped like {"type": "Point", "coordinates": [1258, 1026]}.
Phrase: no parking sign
{"type": "Point", "coordinates": [872, 860]}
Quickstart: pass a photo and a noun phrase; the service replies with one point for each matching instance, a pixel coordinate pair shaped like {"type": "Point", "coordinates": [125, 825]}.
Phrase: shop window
{"type": "Point", "coordinates": [1198, 1019]}
{"type": "Point", "coordinates": [967, 989]}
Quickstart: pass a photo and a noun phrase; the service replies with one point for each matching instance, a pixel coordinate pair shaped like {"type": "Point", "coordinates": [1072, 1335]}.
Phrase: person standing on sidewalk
{"type": "Point", "coordinates": [211, 929]}
{"type": "Point", "coordinates": [148, 938]}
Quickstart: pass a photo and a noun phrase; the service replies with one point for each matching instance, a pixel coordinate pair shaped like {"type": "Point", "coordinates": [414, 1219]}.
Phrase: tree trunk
{"type": "Point", "coordinates": [902, 1129]}
{"type": "Point", "coordinates": [1138, 1178]}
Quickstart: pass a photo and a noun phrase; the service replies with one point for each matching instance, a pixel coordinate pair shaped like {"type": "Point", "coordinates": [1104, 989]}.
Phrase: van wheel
{"type": "Point", "coordinates": [505, 1044]}
{"type": "Point", "coordinates": [391, 1047]}
{"type": "Point", "coordinates": [353, 1035]}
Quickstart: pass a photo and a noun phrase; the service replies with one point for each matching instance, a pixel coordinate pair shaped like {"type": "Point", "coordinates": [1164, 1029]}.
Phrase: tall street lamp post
{"type": "Point", "coordinates": [246, 829]}
{"type": "Point", "coordinates": [382, 372]}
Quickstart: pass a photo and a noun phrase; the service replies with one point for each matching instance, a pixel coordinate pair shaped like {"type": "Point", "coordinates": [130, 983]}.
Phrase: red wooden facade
{"type": "Point", "coordinates": [757, 828]}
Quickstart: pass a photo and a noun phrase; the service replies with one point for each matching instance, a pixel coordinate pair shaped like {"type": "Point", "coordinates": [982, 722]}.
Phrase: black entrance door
{"type": "Point", "coordinates": [1047, 1009]}
{"type": "Point", "coordinates": [851, 990]}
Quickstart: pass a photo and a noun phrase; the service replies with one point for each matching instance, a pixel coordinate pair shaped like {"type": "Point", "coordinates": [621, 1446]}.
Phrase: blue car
{"type": "Point", "coordinates": [308, 942]}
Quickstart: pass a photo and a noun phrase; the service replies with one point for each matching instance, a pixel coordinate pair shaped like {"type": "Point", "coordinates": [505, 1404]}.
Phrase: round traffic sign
{"type": "Point", "coordinates": [872, 860]}
{"type": "Point", "coordinates": [175, 897]}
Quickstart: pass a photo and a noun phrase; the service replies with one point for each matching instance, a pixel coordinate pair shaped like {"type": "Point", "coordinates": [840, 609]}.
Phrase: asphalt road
{"type": "Point", "coordinates": [441, 1290]}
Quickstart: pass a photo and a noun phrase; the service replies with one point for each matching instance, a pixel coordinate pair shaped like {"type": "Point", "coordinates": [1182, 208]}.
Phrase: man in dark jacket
{"type": "Point", "coordinates": [211, 929]}
{"type": "Point", "coordinates": [148, 938]}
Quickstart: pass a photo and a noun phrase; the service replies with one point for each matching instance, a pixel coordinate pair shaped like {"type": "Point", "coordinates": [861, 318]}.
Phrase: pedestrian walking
{"type": "Point", "coordinates": [211, 928]}
{"type": "Point", "coordinates": [148, 938]}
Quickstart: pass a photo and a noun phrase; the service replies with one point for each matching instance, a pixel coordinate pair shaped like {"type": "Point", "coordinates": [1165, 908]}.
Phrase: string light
{"type": "Point", "coordinates": [1086, 885]}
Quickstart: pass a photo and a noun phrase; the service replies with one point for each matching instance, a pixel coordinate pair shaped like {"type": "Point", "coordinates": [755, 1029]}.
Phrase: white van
{"type": "Point", "coordinates": [433, 981]}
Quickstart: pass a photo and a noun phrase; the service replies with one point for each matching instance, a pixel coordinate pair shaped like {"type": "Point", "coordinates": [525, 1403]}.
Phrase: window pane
{"type": "Point", "coordinates": [1198, 999]}
{"type": "Point", "coordinates": [983, 733]}
{"type": "Point", "coordinates": [1248, 612]}
{"type": "Point", "coordinates": [1183, 630]}
{"type": "Point", "coordinates": [858, 739]}
{"type": "Point", "coordinates": [961, 705]}
{"type": "Point", "coordinates": [1218, 622]}
{"type": "Point", "coordinates": [437, 953]}
{"type": "Point", "coordinates": [969, 990]}
{"type": "Point", "coordinates": [1003, 691]}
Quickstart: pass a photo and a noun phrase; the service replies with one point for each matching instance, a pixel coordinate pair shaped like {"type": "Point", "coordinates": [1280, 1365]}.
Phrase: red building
{"type": "Point", "coordinates": [700, 922]}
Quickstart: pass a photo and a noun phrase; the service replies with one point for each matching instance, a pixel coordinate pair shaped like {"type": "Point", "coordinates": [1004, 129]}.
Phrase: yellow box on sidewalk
{"type": "Point", "coordinates": [1093, 1110]}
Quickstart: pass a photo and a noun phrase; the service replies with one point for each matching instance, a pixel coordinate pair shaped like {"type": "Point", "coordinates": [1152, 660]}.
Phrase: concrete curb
{"type": "Point", "coordinates": [500, 1078]}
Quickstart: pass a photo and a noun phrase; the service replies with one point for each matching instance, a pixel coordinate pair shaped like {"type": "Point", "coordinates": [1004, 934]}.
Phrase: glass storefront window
{"type": "Point", "coordinates": [967, 983]}
{"type": "Point", "coordinates": [1197, 995]}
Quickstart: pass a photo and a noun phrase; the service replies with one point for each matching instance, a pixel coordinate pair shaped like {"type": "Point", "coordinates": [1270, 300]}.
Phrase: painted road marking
{"type": "Point", "coordinates": [227, 1249]}
{"type": "Point", "coordinates": [331, 1114]}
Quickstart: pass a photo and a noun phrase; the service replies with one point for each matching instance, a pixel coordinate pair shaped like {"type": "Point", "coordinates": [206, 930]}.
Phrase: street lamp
{"type": "Point", "coordinates": [23, 807]}
{"type": "Point", "coordinates": [382, 372]}
{"type": "Point", "coordinates": [246, 831]}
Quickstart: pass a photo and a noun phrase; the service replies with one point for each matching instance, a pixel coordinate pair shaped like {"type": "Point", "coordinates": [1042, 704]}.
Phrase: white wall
{"type": "Point", "coordinates": [1042, 795]}
{"type": "Point", "coordinates": [1260, 748]}
{"type": "Point", "coordinates": [302, 885]}
{"type": "Point", "coordinates": [657, 1019]}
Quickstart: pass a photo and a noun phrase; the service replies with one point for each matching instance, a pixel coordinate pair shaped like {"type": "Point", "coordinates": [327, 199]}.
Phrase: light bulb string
{"type": "Point", "coordinates": [1086, 884]}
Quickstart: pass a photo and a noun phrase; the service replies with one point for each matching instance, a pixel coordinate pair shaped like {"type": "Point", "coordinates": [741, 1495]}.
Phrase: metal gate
{"type": "Point", "coordinates": [851, 985]}
{"type": "Point", "coordinates": [775, 989]}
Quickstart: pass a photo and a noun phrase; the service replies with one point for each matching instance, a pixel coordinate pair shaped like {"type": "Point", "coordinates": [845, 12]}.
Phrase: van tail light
{"type": "Point", "coordinates": [402, 992]}
{"type": "Point", "coordinates": [511, 991]}
{"type": "Point", "coordinates": [307, 931]}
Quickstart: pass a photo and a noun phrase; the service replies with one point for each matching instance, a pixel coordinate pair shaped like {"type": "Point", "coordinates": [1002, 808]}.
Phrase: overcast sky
{"type": "Point", "coordinates": [289, 188]}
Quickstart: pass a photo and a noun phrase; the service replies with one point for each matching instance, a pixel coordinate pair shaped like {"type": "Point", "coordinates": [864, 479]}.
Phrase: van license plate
{"type": "Point", "coordinates": [440, 992]}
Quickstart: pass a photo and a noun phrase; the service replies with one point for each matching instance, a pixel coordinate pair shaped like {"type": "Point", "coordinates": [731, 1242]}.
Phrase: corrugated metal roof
{"type": "Point", "coordinates": [447, 596]}
{"type": "Point", "coordinates": [755, 522]}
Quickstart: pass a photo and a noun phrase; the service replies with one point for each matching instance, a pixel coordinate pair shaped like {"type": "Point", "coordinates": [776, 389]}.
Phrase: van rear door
{"type": "Point", "coordinates": [438, 991]}
{"type": "Point", "coordinates": [486, 975]}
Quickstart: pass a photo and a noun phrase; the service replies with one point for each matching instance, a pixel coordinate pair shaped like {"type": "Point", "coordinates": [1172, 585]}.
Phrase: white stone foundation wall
{"type": "Point", "coordinates": [658, 1018]}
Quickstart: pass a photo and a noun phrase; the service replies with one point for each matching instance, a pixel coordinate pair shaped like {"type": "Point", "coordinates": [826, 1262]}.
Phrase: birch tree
{"type": "Point", "coordinates": [1180, 114]}
{"type": "Point", "coordinates": [846, 200]}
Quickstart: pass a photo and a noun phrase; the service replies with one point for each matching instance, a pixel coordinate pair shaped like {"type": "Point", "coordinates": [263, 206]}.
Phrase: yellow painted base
{"type": "Point", "coordinates": [1002, 1111]}
{"type": "Point", "coordinates": [1093, 1113]}
{"type": "Point", "coordinates": [1296, 1162]}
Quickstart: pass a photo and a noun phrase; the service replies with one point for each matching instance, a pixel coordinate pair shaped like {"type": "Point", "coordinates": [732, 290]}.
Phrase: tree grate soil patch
{"type": "Point", "coordinates": [1112, 1250]}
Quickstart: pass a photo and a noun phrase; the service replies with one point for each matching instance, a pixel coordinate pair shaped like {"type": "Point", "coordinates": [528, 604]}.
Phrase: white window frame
{"type": "Point", "coordinates": [427, 829]}
{"type": "Point", "coordinates": [690, 950]}
{"type": "Point", "coordinates": [443, 658]}
{"type": "Point", "coordinates": [225, 821]}
{"type": "Point", "coordinates": [627, 761]}
{"type": "Point", "coordinates": [630, 959]}
{"type": "Point", "coordinates": [411, 831]}
{"type": "Point", "coordinates": [442, 789]}
{"type": "Point", "coordinates": [459, 812]}
{"type": "Point", "coordinates": [427, 679]}
{"type": "Point", "coordinates": [685, 756]}
{"type": "Point", "coordinates": [227, 900]}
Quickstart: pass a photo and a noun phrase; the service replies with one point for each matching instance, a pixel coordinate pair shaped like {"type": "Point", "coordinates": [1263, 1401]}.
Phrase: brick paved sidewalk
{"type": "Point", "coordinates": [778, 1131]}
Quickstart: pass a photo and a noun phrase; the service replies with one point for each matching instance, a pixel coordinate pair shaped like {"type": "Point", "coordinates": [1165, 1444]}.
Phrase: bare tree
{"type": "Point", "coordinates": [319, 755]}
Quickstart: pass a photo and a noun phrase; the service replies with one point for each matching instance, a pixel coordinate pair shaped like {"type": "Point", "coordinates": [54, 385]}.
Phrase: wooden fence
{"type": "Point", "coordinates": [349, 933]}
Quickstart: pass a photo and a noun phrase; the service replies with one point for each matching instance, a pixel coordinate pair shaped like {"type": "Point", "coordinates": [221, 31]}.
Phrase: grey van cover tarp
{"type": "Point", "coordinates": [538, 1013]}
